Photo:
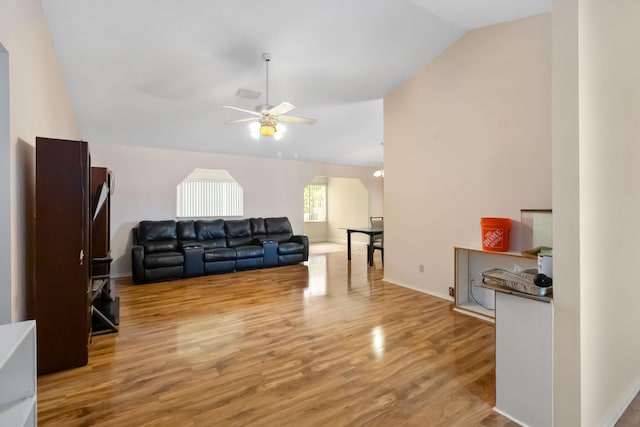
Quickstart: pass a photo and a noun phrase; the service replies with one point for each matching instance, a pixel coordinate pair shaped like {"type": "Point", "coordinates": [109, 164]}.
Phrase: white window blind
{"type": "Point", "coordinates": [207, 192]}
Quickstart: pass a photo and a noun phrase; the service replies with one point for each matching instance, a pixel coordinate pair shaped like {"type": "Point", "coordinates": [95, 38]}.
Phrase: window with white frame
{"type": "Point", "coordinates": [315, 203]}
{"type": "Point", "coordinates": [209, 192]}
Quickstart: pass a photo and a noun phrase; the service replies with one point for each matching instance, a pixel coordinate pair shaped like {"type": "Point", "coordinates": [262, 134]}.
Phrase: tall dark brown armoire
{"type": "Point", "coordinates": [106, 307]}
{"type": "Point", "coordinates": [101, 227]}
{"type": "Point", "coordinates": [62, 253]}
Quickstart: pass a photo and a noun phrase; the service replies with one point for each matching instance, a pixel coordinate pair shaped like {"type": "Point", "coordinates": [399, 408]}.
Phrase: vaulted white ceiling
{"type": "Point", "coordinates": [156, 72]}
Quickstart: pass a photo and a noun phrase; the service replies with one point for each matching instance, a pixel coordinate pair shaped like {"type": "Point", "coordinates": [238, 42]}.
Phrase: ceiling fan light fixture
{"type": "Point", "coordinates": [379, 173]}
{"type": "Point", "coordinates": [267, 129]}
{"type": "Point", "coordinates": [267, 121]}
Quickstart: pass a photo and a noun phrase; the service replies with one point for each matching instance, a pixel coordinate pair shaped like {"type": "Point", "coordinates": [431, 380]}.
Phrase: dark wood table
{"type": "Point", "coordinates": [371, 232]}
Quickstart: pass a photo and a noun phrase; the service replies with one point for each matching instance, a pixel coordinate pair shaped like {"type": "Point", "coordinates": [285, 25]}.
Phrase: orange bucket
{"type": "Point", "coordinates": [495, 234]}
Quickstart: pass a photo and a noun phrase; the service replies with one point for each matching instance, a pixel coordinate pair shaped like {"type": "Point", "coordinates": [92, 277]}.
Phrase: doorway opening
{"type": "Point", "coordinates": [332, 204]}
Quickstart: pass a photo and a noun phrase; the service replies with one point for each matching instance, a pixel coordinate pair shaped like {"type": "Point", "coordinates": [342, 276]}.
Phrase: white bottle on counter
{"type": "Point", "coordinates": [545, 265]}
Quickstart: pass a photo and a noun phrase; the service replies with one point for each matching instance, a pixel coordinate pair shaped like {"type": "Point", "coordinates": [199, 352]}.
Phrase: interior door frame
{"type": "Point", "coordinates": [6, 294]}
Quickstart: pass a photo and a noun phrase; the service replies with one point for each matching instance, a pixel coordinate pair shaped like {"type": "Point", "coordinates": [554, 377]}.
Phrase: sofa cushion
{"type": "Point", "coordinates": [258, 228]}
{"type": "Point", "coordinates": [249, 263]}
{"type": "Point", "coordinates": [158, 236]}
{"type": "Point", "coordinates": [213, 244]}
{"type": "Point", "coordinates": [249, 251]}
{"type": "Point", "coordinates": [156, 230]}
{"type": "Point", "coordinates": [210, 229]}
{"type": "Point", "coordinates": [160, 246]}
{"type": "Point", "coordinates": [219, 267]}
{"type": "Point", "coordinates": [238, 232]}
{"type": "Point", "coordinates": [279, 228]}
{"type": "Point", "coordinates": [164, 273]}
{"type": "Point", "coordinates": [210, 233]}
{"type": "Point", "coordinates": [186, 230]}
{"type": "Point", "coordinates": [219, 254]}
{"type": "Point", "coordinates": [163, 259]}
{"type": "Point", "coordinates": [290, 259]}
{"type": "Point", "coordinates": [287, 248]}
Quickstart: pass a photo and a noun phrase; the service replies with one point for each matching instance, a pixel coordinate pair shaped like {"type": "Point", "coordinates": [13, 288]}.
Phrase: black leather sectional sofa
{"type": "Point", "coordinates": [168, 250]}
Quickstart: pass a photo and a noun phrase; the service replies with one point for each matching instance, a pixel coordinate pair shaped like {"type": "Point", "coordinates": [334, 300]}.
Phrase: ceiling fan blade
{"type": "Point", "coordinates": [283, 107]}
{"type": "Point", "coordinates": [250, 119]}
{"type": "Point", "coordinates": [255, 113]}
{"type": "Point", "coordinates": [298, 120]}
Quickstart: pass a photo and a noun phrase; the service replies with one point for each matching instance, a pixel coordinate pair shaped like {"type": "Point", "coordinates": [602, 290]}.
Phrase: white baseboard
{"type": "Point", "coordinates": [515, 420]}
{"type": "Point", "coordinates": [404, 285]}
{"type": "Point", "coordinates": [474, 314]}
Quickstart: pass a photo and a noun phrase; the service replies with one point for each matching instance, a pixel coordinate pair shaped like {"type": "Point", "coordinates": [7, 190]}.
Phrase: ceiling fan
{"type": "Point", "coordinates": [267, 116]}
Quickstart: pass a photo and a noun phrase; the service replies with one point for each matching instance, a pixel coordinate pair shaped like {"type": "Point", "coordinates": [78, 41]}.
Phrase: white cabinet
{"type": "Point", "coordinates": [470, 298]}
{"type": "Point", "coordinates": [524, 359]}
{"type": "Point", "coordinates": [524, 334]}
{"type": "Point", "coordinates": [18, 401]}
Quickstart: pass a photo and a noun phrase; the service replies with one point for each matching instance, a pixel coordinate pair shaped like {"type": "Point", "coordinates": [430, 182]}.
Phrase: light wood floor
{"type": "Point", "coordinates": [328, 344]}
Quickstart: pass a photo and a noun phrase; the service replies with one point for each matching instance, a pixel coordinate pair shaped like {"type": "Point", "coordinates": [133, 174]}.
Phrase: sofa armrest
{"type": "Point", "coordinates": [137, 263]}
{"type": "Point", "coordinates": [304, 241]}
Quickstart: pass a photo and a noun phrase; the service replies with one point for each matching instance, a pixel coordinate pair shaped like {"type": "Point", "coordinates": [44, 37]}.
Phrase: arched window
{"type": "Point", "coordinates": [207, 193]}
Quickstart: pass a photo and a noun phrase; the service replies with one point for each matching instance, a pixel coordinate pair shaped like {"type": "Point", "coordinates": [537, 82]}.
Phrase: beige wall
{"type": "Point", "coordinates": [39, 106]}
{"type": "Point", "coordinates": [596, 210]}
{"type": "Point", "coordinates": [609, 110]}
{"type": "Point", "coordinates": [566, 216]}
{"type": "Point", "coordinates": [146, 180]}
{"type": "Point", "coordinates": [316, 231]}
{"type": "Point", "coordinates": [348, 203]}
{"type": "Point", "coordinates": [467, 136]}
{"type": "Point", "coordinates": [5, 191]}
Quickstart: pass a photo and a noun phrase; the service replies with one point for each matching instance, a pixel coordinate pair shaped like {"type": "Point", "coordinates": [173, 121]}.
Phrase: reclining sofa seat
{"type": "Point", "coordinates": [249, 253]}
{"type": "Point", "coordinates": [291, 249]}
{"type": "Point", "coordinates": [155, 254]}
{"type": "Point", "coordinates": [218, 258]}
{"type": "Point", "coordinates": [210, 236]}
{"type": "Point", "coordinates": [225, 246]}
